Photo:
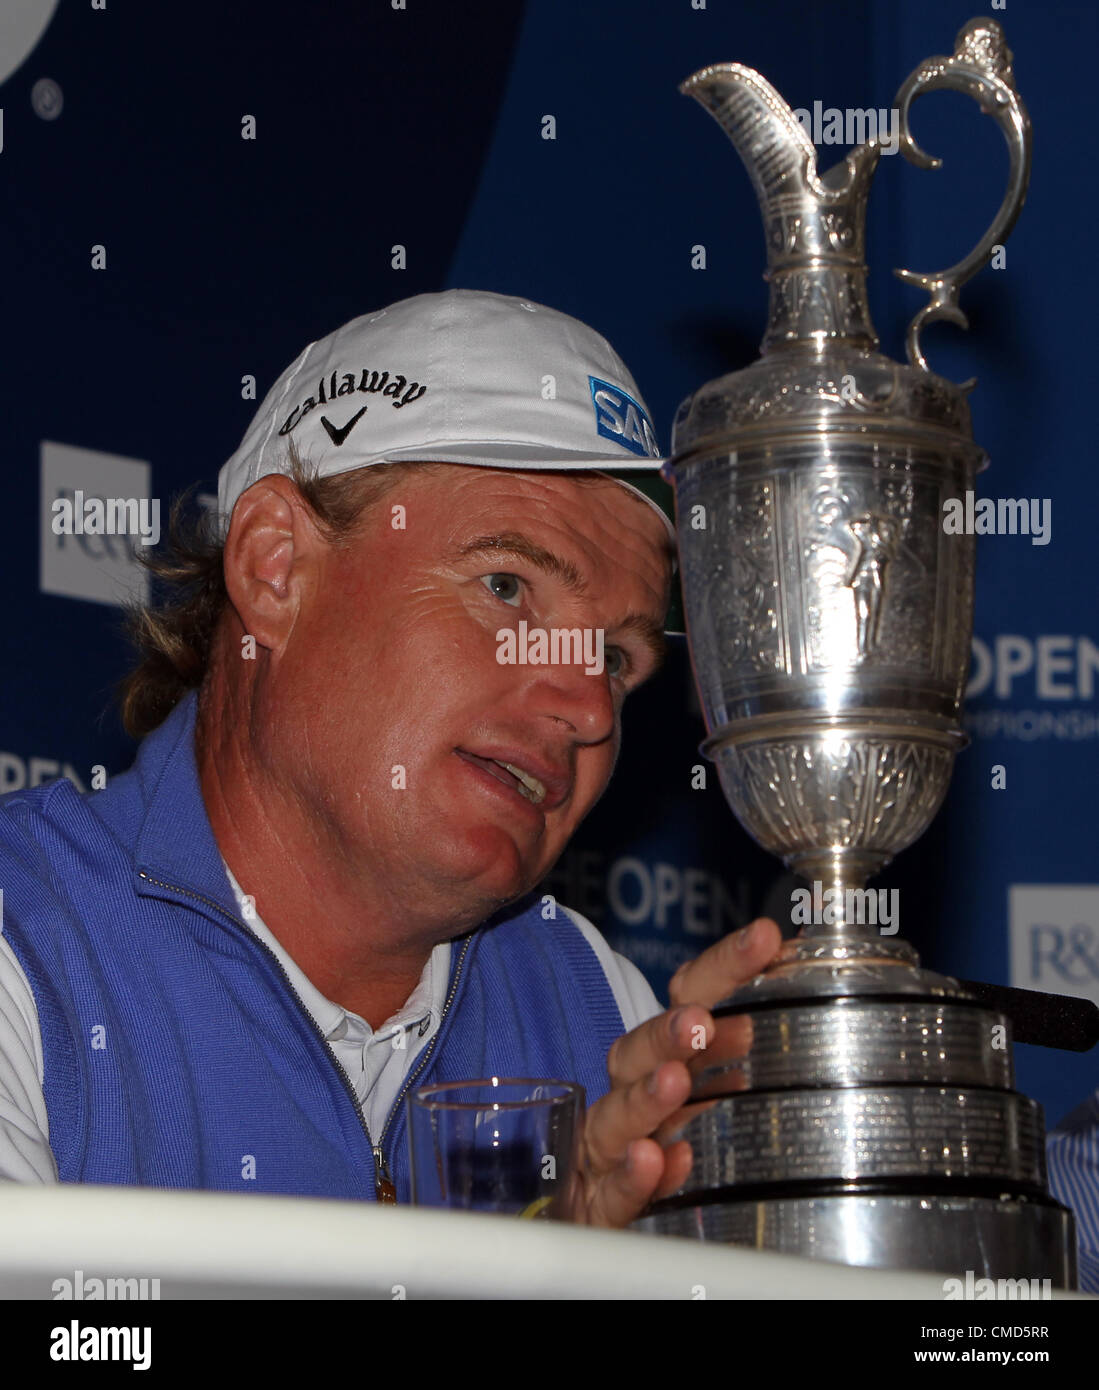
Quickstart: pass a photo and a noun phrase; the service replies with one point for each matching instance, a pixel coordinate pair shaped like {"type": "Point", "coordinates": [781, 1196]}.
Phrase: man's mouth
{"type": "Point", "coordinates": [525, 783]}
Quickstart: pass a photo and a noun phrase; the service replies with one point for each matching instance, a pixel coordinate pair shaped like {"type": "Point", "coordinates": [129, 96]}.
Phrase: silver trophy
{"type": "Point", "coordinates": [853, 1106]}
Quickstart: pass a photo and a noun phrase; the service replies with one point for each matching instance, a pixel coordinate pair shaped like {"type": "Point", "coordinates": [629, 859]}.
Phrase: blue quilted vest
{"type": "Point", "coordinates": [176, 1053]}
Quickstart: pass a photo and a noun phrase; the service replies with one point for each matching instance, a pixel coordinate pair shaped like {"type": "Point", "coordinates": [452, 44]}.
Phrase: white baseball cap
{"type": "Point", "coordinates": [464, 376]}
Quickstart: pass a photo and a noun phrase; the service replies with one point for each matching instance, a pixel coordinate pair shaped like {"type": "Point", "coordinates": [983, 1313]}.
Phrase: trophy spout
{"type": "Point", "coordinates": [815, 227]}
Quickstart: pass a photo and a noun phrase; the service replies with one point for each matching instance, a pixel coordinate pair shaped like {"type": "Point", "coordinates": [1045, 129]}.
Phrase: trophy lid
{"type": "Point", "coordinates": [810, 392]}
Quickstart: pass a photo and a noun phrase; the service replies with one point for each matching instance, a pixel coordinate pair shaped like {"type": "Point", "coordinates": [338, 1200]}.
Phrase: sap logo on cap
{"type": "Point", "coordinates": [619, 417]}
{"type": "Point", "coordinates": [1054, 933]}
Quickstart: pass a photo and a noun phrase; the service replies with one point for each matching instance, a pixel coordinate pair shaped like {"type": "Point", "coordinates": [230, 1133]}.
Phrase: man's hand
{"type": "Point", "coordinates": [623, 1168]}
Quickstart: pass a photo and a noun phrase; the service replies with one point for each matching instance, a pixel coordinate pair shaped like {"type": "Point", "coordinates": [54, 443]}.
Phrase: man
{"type": "Point", "coordinates": [310, 895]}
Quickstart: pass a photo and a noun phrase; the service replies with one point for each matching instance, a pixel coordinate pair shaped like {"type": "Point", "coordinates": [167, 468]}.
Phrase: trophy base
{"type": "Point", "coordinates": [964, 1238]}
{"type": "Point", "coordinates": [854, 1108]}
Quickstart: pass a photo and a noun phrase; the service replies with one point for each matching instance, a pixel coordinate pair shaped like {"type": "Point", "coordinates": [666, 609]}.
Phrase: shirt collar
{"type": "Point", "coordinates": [422, 1010]}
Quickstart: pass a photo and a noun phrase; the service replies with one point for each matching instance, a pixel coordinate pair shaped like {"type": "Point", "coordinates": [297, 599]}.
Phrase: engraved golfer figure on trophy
{"type": "Point", "coordinates": [877, 538]}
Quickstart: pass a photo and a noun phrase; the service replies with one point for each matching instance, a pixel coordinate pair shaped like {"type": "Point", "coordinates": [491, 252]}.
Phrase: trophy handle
{"type": "Point", "coordinates": [980, 67]}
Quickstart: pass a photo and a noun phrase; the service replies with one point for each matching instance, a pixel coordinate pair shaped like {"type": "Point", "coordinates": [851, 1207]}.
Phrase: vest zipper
{"type": "Point", "coordinates": [422, 1063]}
{"type": "Point", "coordinates": [385, 1190]}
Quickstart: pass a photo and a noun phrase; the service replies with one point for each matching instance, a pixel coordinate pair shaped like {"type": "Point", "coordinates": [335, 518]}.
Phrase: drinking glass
{"type": "Point", "coordinates": [500, 1144]}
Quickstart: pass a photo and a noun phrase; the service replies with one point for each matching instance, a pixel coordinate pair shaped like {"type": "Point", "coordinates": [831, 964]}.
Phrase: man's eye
{"type": "Point", "coordinates": [614, 659]}
{"type": "Point", "coordinates": [507, 587]}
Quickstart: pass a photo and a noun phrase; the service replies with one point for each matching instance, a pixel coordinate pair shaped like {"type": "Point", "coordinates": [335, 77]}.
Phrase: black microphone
{"type": "Point", "coordinates": [1045, 1020]}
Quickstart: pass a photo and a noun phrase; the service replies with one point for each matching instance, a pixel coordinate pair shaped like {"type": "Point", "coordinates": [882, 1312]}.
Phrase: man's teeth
{"type": "Point", "coordinates": [529, 786]}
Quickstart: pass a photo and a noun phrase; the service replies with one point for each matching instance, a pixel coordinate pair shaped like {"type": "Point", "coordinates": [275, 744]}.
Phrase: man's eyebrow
{"type": "Point", "coordinates": [648, 629]}
{"type": "Point", "coordinates": [515, 543]}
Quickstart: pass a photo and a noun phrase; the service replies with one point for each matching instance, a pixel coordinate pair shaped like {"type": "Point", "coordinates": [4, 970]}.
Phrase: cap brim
{"type": "Point", "coordinates": [534, 458]}
{"type": "Point", "coordinates": [503, 454]}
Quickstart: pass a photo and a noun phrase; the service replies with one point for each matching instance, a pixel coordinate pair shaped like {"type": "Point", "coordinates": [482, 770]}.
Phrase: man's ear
{"type": "Point", "coordinates": [268, 553]}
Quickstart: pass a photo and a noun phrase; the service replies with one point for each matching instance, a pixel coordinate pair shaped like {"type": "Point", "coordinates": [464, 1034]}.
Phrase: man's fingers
{"type": "Point", "coordinates": [625, 1167]}
{"type": "Point", "coordinates": [677, 1034]}
{"type": "Point", "coordinates": [678, 1159]}
{"type": "Point", "coordinates": [687, 1031]}
{"type": "Point", "coordinates": [647, 1174]}
{"type": "Point", "coordinates": [624, 1193]}
{"type": "Point", "coordinates": [726, 964]}
{"type": "Point", "coordinates": [628, 1113]}
{"type": "Point", "coordinates": [672, 1130]}
{"type": "Point", "coordinates": [719, 1067]}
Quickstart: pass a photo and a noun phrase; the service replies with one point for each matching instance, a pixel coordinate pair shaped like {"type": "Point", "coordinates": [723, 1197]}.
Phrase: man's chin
{"type": "Point", "coordinates": [493, 866]}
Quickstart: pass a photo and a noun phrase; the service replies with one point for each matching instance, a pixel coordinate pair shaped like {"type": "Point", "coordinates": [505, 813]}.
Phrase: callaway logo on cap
{"type": "Point", "coordinates": [459, 377]}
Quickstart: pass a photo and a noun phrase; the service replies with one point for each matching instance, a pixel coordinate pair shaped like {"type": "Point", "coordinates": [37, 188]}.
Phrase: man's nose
{"type": "Point", "coordinates": [573, 692]}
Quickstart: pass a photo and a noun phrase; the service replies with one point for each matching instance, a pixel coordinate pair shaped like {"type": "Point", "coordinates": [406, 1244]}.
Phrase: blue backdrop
{"type": "Point", "coordinates": [158, 249]}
